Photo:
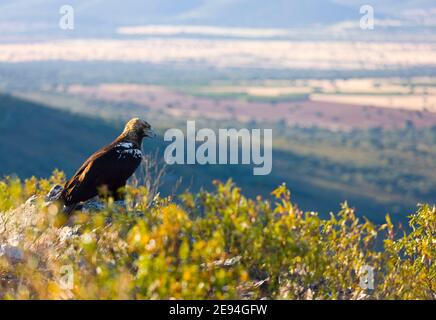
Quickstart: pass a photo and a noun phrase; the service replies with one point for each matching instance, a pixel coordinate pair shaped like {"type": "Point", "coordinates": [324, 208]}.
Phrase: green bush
{"type": "Point", "coordinates": [210, 245]}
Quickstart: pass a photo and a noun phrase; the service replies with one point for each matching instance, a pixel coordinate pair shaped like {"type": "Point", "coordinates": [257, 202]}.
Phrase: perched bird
{"type": "Point", "coordinates": [109, 167]}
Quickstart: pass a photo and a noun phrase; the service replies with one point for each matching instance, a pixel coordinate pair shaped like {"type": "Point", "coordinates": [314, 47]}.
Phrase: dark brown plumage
{"type": "Point", "coordinates": [109, 167]}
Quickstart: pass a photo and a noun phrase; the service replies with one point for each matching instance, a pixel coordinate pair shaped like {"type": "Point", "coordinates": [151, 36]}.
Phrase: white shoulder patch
{"type": "Point", "coordinates": [136, 153]}
{"type": "Point", "coordinates": [125, 145]}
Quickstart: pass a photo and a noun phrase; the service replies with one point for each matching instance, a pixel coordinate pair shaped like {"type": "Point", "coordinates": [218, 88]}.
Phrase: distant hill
{"type": "Point", "coordinates": [103, 17]}
{"type": "Point", "coordinates": [254, 13]}
{"type": "Point", "coordinates": [35, 139]}
{"type": "Point", "coordinates": [260, 13]}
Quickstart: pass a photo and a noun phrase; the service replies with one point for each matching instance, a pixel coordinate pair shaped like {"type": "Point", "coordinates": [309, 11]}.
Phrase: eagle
{"type": "Point", "coordinates": [108, 168]}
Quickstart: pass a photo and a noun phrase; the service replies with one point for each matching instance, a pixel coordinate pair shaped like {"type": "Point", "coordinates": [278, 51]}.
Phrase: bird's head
{"type": "Point", "coordinates": [137, 129]}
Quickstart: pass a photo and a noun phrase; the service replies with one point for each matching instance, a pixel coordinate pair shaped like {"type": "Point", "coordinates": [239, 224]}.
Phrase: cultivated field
{"type": "Point", "coordinates": [287, 105]}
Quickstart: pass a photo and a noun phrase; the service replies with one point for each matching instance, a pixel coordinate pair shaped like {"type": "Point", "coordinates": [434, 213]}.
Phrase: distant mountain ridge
{"type": "Point", "coordinates": [18, 16]}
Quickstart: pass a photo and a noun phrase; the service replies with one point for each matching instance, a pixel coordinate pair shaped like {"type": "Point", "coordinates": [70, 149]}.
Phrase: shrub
{"type": "Point", "coordinates": [210, 245]}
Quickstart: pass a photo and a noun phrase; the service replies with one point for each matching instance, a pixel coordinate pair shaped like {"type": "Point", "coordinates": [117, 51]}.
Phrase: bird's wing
{"type": "Point", "coordinates": [83, 180]}
{"type": "Point", "coordinates": [111, 165]}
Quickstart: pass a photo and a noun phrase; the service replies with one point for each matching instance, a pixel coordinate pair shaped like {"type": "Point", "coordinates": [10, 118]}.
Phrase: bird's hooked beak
{"type": "Point", "coordinates": [149, 133]}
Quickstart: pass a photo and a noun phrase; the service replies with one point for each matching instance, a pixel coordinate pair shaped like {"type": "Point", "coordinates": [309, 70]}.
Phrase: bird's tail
{"type": "Point", "coordinates": [68, 206]}
{"type": "Point", "coordinates": [58, 194]}
{"type": "Point", "coordinates": [68, 209]}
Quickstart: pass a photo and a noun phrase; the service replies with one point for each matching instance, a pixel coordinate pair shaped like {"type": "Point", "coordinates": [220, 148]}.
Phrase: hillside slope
{"type": "Point", "coordinates": [35, 139]}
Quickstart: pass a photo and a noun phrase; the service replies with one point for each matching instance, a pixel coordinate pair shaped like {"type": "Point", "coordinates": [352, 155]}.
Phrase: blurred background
{"type": "Point", "coordinates": [353, 110]}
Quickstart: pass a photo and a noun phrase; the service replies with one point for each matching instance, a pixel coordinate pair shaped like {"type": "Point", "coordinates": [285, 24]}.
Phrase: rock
{"type": "Point", "coordinates": [67, 233]}
{"type": "Point", "coordinates": [90, 205]}
{"type": "Point", "coordinates": [32, 200]}
{"type": "Point", "coordinates": [54, 193]}
{"type": "Point", "coordinates": [12, 253]}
